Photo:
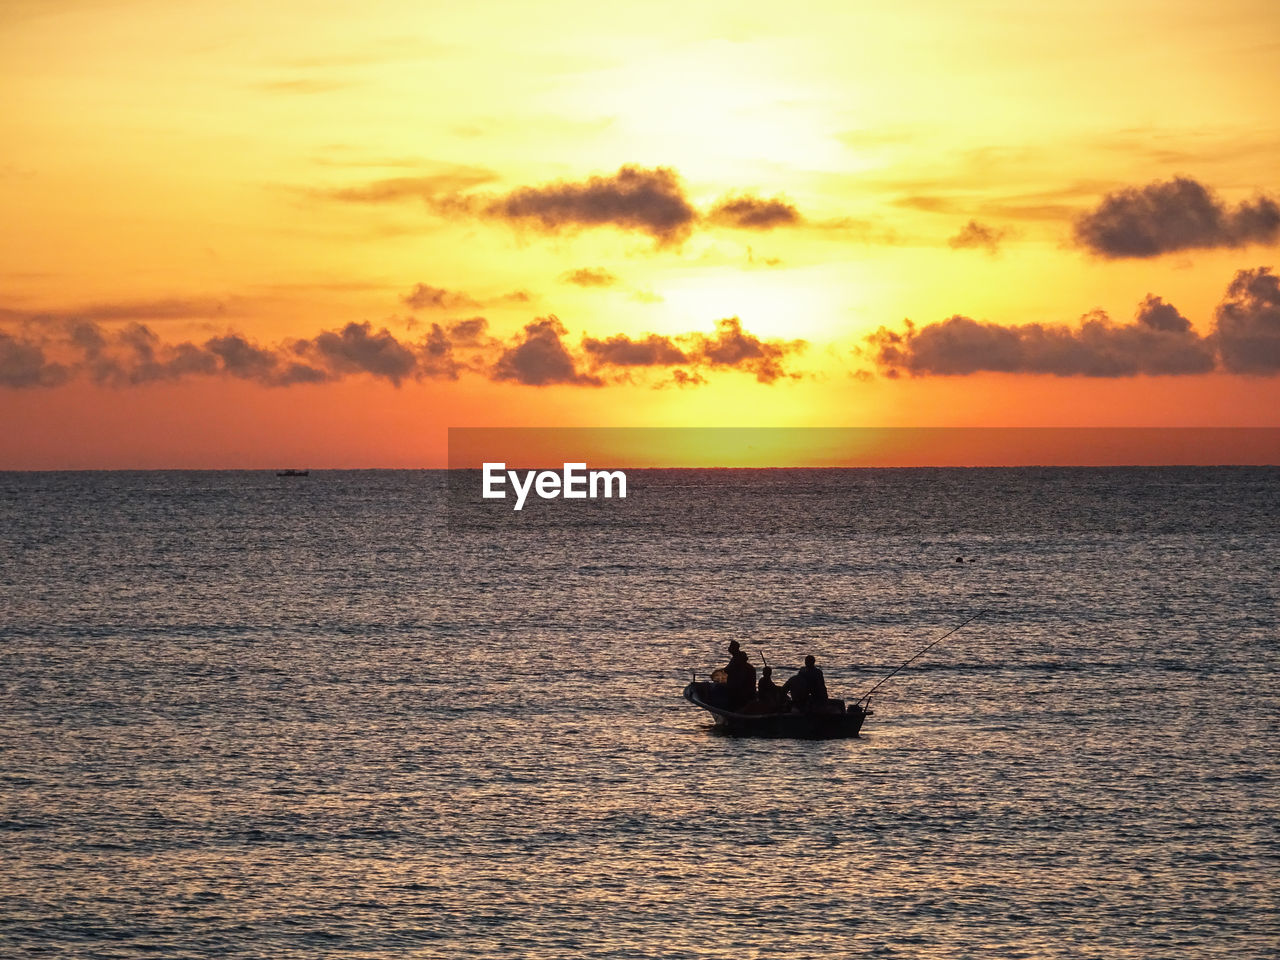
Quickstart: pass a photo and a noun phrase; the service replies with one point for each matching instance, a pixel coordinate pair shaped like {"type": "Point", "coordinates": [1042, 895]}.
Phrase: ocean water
{"type": "Point", "coordinates": [249, 716]}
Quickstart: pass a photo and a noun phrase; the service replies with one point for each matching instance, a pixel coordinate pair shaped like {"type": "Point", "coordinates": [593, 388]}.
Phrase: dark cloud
{"type": "Point", "coordinates": [55, 351]}
{"type": "Point", "coordinates": [244, 360]}
{"type": "Point", "coordinates": [435, 356]}
{"type": "Point", "coordinates": [1155, 314]}
{"type": "Point", "coordinates": [89, 337]}
{"type": "Point", "coordinates": [469, 332]}
{"type": "Point", "coordinates": [426, 297]}
{"type": "Point", "coordinates": [590, 277]}
{"type": "Point", "coordinates": [357, 349]}
{"type": "Point", "coordinates": [295, 372]}
{"type": "Point", "coordinates": [1180, 214]}
{"type": "Point", "coordinates": [135, 355]}
{"type": "Point", "coordinates": [462, 345]}
{"type": "Point", "coordinates": [622, 351]}
{"type": "Point", "coordinates": [974, 235]}
{"type": "Point", "coordinates": [24, 364]}
{"type": "Point", "coordinates": [748, 212]}
{"type": "Point", "coordinates": [651, 201]}
{"type": "Point", "coordinates": [540, 359]}
{"type": "Point", "coordinates": [731, 347]}
{"type": "Point", "coordinates": [1247, 323]}
{"type": "Point", "coordinates": [1159, 342]}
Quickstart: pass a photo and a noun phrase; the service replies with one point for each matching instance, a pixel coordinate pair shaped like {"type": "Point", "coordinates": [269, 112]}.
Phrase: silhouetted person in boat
{"type": "Point", "coordinates": [740, 676]}
{"type": "Point", "coordinates": [769, 693]}
{"type": "Point", "coordinates": [808, 688]}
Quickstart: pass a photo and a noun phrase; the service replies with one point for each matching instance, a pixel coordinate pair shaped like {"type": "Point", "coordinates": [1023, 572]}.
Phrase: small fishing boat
{"type": "Point", "coordinates": [829, 721]}
{"type": "Point", "coordinates": [825, 720]}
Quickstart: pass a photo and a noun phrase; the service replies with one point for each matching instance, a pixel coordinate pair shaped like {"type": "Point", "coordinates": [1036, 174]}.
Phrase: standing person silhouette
{"type": "Point", "coordinates": [741, 676]}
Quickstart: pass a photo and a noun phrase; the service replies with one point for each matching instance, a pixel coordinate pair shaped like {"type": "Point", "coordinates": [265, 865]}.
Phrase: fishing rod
{"type": "Point", "coordinates": [909, 660]}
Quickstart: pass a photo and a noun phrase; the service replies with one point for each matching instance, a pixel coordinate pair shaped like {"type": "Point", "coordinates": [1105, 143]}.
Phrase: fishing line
{"type": "Point", "coordinates": [867, 695]}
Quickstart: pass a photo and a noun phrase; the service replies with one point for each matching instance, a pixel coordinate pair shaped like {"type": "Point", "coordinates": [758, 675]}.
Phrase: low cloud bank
{"type": "Point", "coordinates": [1159, 341]}
{"type": "Point", "coordinates": [49, 353]}
{"type": "Point", "coordinates": [53, 352]}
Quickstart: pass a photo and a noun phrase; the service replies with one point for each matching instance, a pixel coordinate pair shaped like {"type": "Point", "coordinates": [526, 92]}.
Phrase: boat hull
{"type": "Point", "coordinates": [794, 725]}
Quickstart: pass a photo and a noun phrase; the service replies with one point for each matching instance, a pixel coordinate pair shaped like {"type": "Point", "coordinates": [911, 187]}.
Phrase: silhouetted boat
{"type": "Point", "coordinates": [830, 721]}
{"type": "Point", "coordinates": [293, 473]}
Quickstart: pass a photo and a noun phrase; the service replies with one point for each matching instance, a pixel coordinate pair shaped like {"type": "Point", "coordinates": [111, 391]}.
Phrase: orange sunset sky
{"type": "Point", "coordinates": [321, 233]}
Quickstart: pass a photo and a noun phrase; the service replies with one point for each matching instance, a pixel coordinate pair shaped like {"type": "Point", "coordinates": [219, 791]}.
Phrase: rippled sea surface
{"type": "Point", "coordinates": [248, 716]}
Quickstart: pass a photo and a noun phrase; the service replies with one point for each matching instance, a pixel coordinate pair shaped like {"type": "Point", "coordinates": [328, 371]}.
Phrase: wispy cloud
{"type": "Point", "coordinates": [423, 296]}
{"type": "Point", "coordinates": [164, 308]}
{"type": "Point", "coordinates": [977, 236]}
{"type": "Point", "coordinates": [749, 212]}
{"type": "Point", "coordinates": [429, 188]}
{"type": "Point", "coordinates": [590, 277]}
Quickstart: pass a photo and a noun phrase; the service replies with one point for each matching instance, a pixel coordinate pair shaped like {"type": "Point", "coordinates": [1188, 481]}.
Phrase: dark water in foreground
{"type": "Point", "coordinates": [245, 716]}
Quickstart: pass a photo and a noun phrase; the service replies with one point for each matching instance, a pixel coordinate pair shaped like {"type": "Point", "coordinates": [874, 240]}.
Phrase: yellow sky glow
{"type": "Point", "coordinates": [213, 169]}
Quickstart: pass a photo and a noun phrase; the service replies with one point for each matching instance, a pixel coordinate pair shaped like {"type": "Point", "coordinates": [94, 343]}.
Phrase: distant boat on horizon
{"type": "Point", "coordinates": [292, 473]}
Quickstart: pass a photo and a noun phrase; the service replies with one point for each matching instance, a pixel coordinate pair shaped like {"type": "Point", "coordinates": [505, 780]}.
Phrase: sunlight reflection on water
{"type": "Point", "coordinates": [242, 719]}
